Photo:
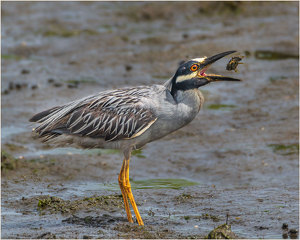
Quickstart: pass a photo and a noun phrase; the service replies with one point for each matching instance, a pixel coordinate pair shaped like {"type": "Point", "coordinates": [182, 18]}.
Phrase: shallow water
{"type": "Point", "coordinates": [238, 157]}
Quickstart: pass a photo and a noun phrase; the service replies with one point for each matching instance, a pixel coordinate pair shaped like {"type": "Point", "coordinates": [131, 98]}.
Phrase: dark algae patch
{"type": "Point", "coordinates": [14, 147]}
{"type": "Point", "coordinates": [276, 79]}
{"type": "Point", "coordinates": [220, 106]}
{"type": "Point", "coordinates": [25, 167]}
{"type": "Point", "coordinates": [127, 230]}
{"type": "Point", "coordinates": [169, 183]}
{"type": "Point", "coordinates": [138, 153]}
{"type": "Point", "coordinates": [8, 162]}
{"type": "Point", "coordinates": [204, 216]}
{"type": "Point", "coordinates": [47, 235]}
{"type": "Point", "coordinates": [183, 197]}
{"type": "Point", "coordinates": [99, 221]}
{"type": "Point", "coordinates": [54, 204]}
{"type": "Point", "coordinates": [10, 57]}
{"type": "Point", "coordinates": [285, 149]}
{"type": "Point", "coordinates": [272, 55]}
{"type": "Point", "coordinates": [209, 216]}
{"type": "Point", "coordinates": [58, 31]}
{"type": "Point", "coordinates": [81, 80]}
{"type": "Point", "coordinates": [222, 232]}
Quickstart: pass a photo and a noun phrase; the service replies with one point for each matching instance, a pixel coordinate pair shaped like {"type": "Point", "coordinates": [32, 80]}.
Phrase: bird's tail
{"type": "Point", "coordinates": [45, 114]}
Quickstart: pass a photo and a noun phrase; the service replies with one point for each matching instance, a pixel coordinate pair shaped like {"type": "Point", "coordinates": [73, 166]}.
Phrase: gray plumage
{"type": "Point", "coordinates": [119, 115]}
{"type": "Point", "coordinates": [129, 118]}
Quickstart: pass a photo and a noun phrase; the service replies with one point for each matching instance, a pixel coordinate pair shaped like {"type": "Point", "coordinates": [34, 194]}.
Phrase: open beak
{"type": "Point", "coordinates": [213, 77]}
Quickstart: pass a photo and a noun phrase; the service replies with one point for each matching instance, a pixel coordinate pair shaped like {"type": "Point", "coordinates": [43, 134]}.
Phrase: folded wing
{"type": "Point", "coordinates": [112, 115]}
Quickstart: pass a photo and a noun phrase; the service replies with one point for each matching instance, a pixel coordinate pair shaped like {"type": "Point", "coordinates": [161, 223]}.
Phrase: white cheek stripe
{"type": "Point", "coordinates": [186, 77]}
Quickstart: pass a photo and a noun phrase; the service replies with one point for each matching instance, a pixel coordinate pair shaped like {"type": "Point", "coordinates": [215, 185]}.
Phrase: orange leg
{"type": "Point", "coordinates": [130, 195]}
{"type": "Point", "coordinates": [122, 183]}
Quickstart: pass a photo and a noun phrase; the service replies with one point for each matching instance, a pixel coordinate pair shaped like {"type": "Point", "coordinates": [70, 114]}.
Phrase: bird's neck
{"type": "Point", "coordinates": [189, 95]}
{"type": "Point", "coordinates": [171, 85]}
{"type": "Point", "coordinates": [174, 87]}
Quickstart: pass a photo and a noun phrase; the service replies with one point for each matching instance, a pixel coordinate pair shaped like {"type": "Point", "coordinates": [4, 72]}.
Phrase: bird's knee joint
{"type": "Point", "coordinates": [127, 187]}
{"type": "Point", "coordinates": [121, 183]}
{"type": "Point", "coordinates": [124, 184]}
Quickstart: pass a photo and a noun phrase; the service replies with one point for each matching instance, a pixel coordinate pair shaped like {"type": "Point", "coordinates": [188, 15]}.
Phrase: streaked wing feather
{"type": "Point", "coordinates": [112, 115]}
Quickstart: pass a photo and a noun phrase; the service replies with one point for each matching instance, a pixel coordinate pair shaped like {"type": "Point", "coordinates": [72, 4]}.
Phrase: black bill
{"type": "Point", "coordinates": [213, 77]}
{"type": "Point", "coordinates": [216, 78]}
{"type": "Point", "coordinates": [215, 58]}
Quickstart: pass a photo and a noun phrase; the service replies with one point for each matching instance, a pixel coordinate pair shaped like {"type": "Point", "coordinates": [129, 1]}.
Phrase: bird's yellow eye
{"type": "Point", "coordinates": [194, 67]}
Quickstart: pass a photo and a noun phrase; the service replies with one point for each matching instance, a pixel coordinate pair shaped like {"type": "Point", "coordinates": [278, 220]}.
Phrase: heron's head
{"type": "Point", "coordinates": [191, 74]}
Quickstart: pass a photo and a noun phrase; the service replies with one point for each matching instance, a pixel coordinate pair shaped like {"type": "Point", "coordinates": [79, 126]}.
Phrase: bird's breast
{"type": "Point", "coordinates": [176, 113]}
{"type": "Point", "coordinates": [189, 104]}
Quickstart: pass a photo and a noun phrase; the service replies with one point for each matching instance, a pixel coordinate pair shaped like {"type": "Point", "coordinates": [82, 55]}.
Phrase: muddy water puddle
{"type": "Point", "coordinates": [236, 162]}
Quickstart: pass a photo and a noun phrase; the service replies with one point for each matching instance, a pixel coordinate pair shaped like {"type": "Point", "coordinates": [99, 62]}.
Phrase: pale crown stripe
{"type": "Point", "coordinates": [199, 59]}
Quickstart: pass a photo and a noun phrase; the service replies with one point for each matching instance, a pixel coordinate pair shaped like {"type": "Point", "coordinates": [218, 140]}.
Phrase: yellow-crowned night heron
{"type": "Point", "coordinates": [129, 118]}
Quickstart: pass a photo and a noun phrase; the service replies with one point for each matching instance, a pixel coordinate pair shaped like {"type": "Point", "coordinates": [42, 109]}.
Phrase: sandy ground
{"type": "Point", "coordinates": [239, 157]}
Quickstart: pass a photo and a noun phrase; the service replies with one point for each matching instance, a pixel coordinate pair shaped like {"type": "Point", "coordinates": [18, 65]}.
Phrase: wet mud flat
{"type": "Point", "coordinates": [237, 162]}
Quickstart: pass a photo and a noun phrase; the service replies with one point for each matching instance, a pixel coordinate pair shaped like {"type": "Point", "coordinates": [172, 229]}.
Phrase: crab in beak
{"type": "Point", "coordinates": [204, 65]}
